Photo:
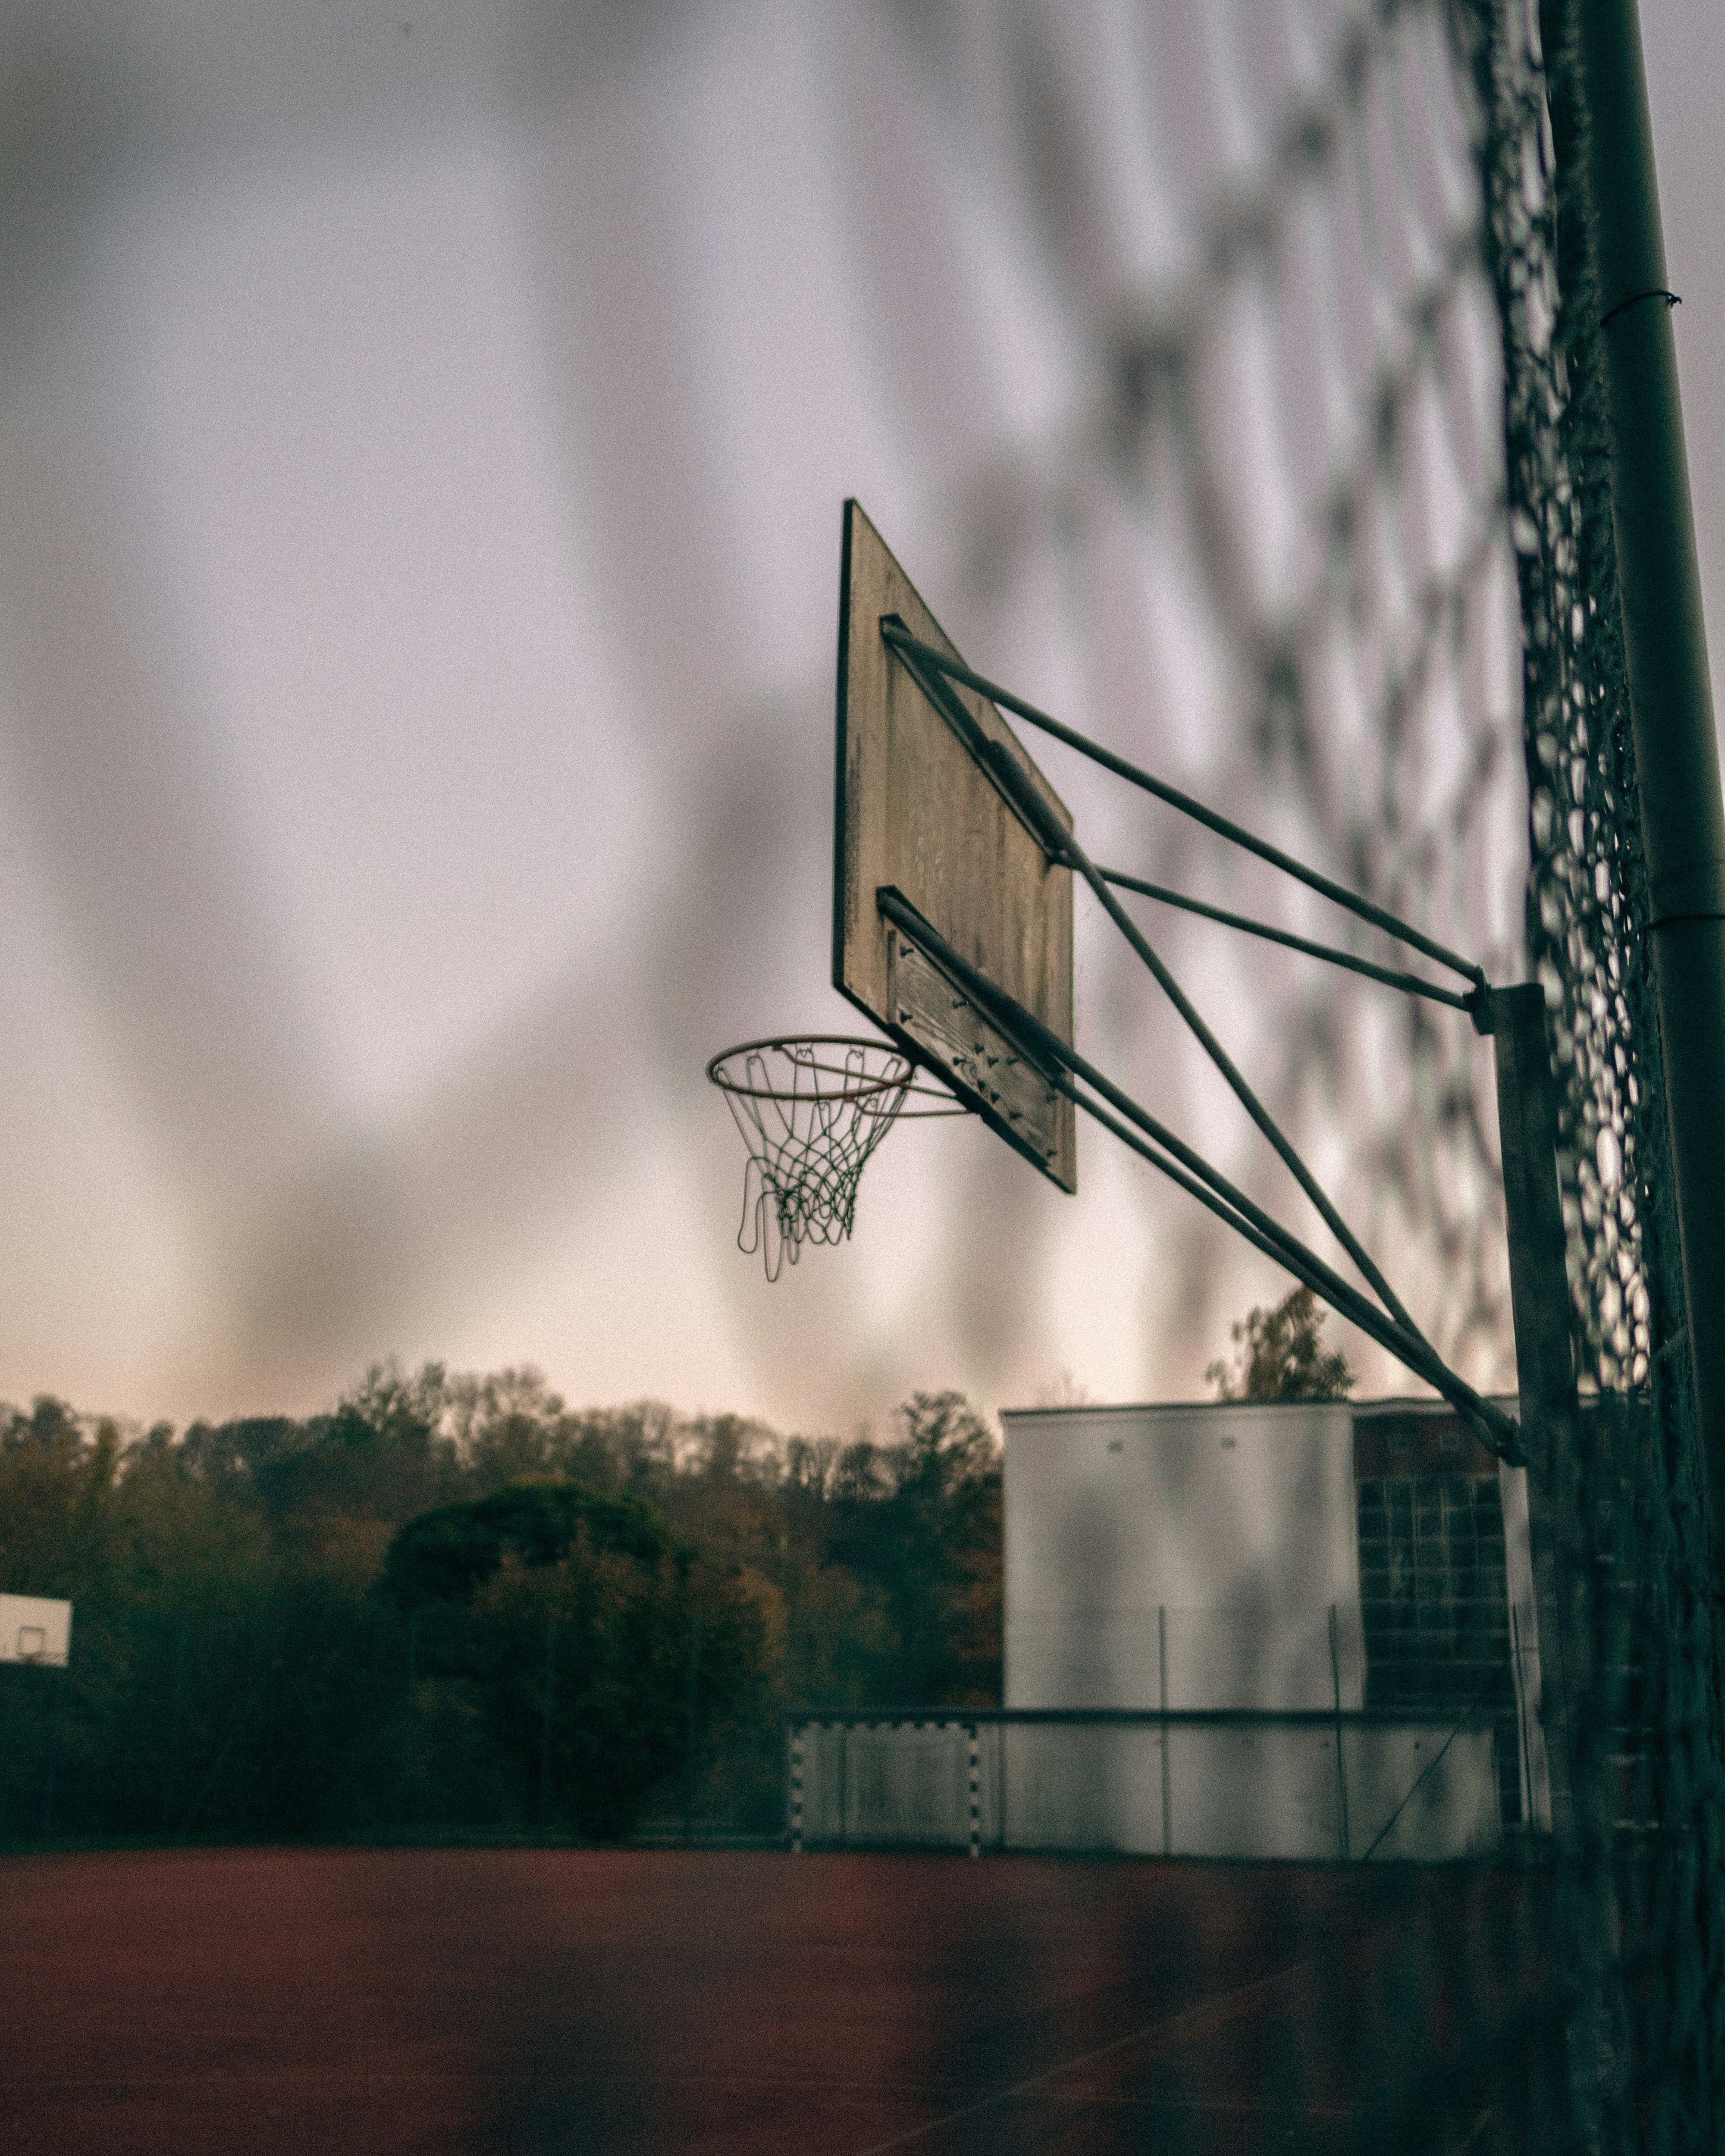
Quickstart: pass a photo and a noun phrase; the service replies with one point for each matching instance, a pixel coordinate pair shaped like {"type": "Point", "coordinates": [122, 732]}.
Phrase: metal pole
{"type": "Point", "coordinates": [974, 1770]}
{"type": "Point", "coordinates": [1671, 697]}
{"type": "Point", "coordinates": [551, 1638]}
{"type": "Point", "coordinates": [694, 1702]}
{"type": "Point", "coordinates": [1168, 1810]}
{"type": "Point", "coordinates": [1545, 1370]}
{"type": "Point", "coordinates": [1342, 1835]}
{"type": "Point", "coordinates": [1521, 1672]}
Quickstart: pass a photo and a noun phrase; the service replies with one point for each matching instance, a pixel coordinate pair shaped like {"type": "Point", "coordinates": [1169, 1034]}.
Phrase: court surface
{"type": "Point", "coordinates": [374, 2003]}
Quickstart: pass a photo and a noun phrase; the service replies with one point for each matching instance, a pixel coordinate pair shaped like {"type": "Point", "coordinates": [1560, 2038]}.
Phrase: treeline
{"type": "Point", "coordinates": [452, 1603]}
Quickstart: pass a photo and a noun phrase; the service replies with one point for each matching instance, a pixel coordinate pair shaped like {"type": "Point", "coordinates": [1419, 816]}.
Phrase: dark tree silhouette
{"type": "Point", "coordinates": [343, 1624]}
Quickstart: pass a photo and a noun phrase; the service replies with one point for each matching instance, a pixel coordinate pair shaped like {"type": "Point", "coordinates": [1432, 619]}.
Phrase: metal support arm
{"type": "Point", "coordinates": [911, 648]}
{"type": "Point", "coordinates": [1061, 844]}
{"type": "Point", "coordinates": [1187, 1167]}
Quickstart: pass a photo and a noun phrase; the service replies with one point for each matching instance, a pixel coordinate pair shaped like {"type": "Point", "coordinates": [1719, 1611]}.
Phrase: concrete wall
{"type": "Point", "coordinates": [1189, 1557]}
{"type": "Point", "coordinates": [1208, 1542]}
{"type": "Point", "coordinates": [1416, 1791]}
{"type": "Point", "coordinates": [1207, 1556]}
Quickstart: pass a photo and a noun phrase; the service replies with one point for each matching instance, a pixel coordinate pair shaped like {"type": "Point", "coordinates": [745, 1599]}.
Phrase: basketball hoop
{"type": "Point", "coordinates": [811, 1111]}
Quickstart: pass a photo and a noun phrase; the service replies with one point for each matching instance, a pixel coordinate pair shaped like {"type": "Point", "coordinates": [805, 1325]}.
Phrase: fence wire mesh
{"type": "Point", "coordinates": [1333, 525]}
{"type": "Point", "coordinates": [1277, 536]}
{"type": "Point", "coordinates": [1342, 506]}
{"type": "Point", "coordinates": [1649, 1768]}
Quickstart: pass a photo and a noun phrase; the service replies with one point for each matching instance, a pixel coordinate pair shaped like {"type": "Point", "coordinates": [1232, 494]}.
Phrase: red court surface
{"type": "Point", "coordinates": [376, 2003]}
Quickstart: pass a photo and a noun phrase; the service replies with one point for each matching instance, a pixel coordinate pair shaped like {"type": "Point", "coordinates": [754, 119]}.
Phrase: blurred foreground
{"type": "Point", "coordinates": [628, 2003]}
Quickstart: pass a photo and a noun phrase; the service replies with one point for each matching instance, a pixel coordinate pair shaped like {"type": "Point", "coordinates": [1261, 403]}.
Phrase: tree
{"type": "Point", "coordinates": [1280, 1357]}
{"type": "Point", "coordinates": [586, 1637]}
{"type": "Point", "coordinates": [323, 1626]}
{"type": "Point", "coordinates": [383, 1456]}
{"type": "Point", "coordinates": [449, 1554]}
{"type": "Point", "coordinates": [918, 1524]}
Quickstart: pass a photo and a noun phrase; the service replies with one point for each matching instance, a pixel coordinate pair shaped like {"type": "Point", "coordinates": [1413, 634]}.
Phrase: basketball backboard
{"type": "Point", "coordinates": [33, 1629]}
{"type": "Point", "coordinates": [918, 813]}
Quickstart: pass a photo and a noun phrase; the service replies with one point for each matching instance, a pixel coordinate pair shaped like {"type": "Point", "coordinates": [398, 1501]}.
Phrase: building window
{"type": "Point", "coordinates": [1435, 1601]}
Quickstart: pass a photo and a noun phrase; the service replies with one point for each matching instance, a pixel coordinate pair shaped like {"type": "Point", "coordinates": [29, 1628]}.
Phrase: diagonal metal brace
{"type": "Point", "coordinates": [908, 647]}
{"type": "Point", "coordinates": [1062, 845]}
{"type": "Point", "coordinates": [1187, 1167]}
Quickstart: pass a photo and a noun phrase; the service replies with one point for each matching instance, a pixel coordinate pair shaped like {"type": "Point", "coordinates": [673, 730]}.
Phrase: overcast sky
{"type": "Point", "coordinates": [423, 432]}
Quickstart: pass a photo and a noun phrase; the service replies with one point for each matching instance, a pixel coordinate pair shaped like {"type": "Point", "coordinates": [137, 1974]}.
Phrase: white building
{"type": "Point", "coordinates": [1245, 1630]}
{"type": "Point", "coordinates": [1289, 1559]}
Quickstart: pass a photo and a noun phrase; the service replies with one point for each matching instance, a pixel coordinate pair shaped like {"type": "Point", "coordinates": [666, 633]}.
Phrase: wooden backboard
{"type": "Point", "coordinates": [918, 814]}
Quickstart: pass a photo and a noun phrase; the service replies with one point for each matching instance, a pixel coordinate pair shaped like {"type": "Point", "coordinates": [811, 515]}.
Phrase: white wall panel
{"type": "Point", "coordinates": [1184, 1556]}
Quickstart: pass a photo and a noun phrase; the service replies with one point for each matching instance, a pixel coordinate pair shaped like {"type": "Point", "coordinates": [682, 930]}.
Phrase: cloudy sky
{"type": "Point", "coordinates": [423, 432]}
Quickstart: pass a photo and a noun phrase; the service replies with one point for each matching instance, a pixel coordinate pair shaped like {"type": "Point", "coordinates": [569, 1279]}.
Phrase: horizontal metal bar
{"type": "Point", "coordinates": [1498, 1431]}
{"type": "Point", "coordinates": [1403, 932]}
{"type": "Point", "coordinates": [1409, 983]}
{"type": "Point", "coordinates": [1442, 1717]}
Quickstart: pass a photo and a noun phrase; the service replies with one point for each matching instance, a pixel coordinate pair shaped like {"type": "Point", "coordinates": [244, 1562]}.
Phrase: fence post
{"type": "Point", "coordinates": [694, 1703]}
{"type": "Point", "coordinates": [797, 1789]}
{"type": "Point", "coordinates": [550, 1636]}
{"type": "Point", "coordinates": [1341, 1768]}
{"type": "Point", "coordinates": [1677, 789]}
{"type": "Point", "coordinates": [1521, 1676]}
{"type": "Point", "coordinates": [976, 1792]}
{"type": "Point", "coordinates": [1167, 1779]}
{"type": "Point", "coordinates": [1562, 1582]}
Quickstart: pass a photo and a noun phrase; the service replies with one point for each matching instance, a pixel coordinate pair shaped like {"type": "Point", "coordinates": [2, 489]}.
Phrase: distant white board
{"type": "Point", "coordinates": [35, 1629]}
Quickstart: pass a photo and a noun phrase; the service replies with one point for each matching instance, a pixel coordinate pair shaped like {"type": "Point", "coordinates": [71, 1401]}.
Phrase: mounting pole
{"type": "Point", "coordinates": [1565, 1580]}
{"type": "Point", "coordinates": [1671, 698]}
{"type": "Point", "coordinates": [1545, 1378]}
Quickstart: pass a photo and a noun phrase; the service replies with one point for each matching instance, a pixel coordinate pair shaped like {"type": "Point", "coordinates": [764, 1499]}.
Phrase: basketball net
{"type": "Point", "coordinates": [811, 1112]}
